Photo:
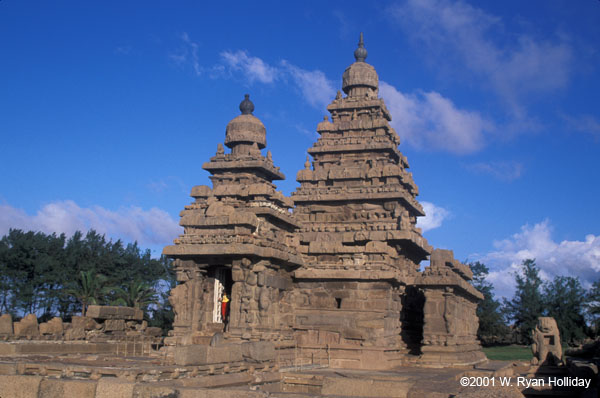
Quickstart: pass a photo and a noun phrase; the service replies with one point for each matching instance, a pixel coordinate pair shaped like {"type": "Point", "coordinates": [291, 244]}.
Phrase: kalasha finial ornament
{"type": "Point", "coordinates": [360, 54]}
{"type": "Point", "coordinates": [247, 107]}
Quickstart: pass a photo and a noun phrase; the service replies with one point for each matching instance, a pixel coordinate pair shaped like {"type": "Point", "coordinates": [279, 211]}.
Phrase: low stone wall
{"type": "Point", "coordinates": [102, 324]}
{"type": "Point", "coordinates": [39, 387]}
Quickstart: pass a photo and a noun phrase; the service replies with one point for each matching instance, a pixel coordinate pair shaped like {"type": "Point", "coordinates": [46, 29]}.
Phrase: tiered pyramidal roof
{"type": "Point", "coordinates": [243, 214]}
{"type": "Point", "coordinates": [357, 203]}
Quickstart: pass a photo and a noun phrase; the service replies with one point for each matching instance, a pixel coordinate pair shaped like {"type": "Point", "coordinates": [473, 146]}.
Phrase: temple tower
{"type": "Point", "coordinates": [238, 241]}
{"type": "Point", "coordinates": [358, 210]}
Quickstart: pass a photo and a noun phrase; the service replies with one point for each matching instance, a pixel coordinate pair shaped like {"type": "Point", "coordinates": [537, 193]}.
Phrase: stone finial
{"type": "Point", "coordinates": [245, 128]}
{"type": "Point", "coordinates": [338, 95]}
{"type": "Point", "coordinates": [360, 54]}
{"type": "Point", "coordinates": [307, 163]}
{"type": "Point", "coordinates": [220, 149]}
{"type": "Point", "coordinates": [269, 156]}
{"type": "Point", "coordinates": [246, 106]}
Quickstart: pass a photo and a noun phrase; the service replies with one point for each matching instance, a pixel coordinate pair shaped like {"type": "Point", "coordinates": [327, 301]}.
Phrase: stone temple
{"type": "Point", "coordinates": [332, 271]}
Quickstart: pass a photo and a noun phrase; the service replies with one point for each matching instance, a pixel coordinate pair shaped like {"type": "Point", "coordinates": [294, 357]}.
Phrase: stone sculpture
{"type": "Point", "coordinates": [546, 346]}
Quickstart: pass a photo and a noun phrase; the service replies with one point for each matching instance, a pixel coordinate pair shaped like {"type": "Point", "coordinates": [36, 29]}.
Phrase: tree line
{"type": "Point", "coordinates": [52, 275]}
{"type": "Point", "coordinates": [575, 309]}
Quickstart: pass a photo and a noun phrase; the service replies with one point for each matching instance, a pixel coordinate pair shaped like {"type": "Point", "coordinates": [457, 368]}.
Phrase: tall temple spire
{"type": "Point", "coordinates": [360, 54]}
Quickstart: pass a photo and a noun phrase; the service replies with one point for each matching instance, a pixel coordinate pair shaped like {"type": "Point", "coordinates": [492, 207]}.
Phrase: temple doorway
{"type": "Point", "coordinates": [222, 287]}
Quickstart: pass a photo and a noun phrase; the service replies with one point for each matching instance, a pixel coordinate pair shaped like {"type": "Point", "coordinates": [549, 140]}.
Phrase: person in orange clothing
{"type": "Point", "coordinates": [225, 308]}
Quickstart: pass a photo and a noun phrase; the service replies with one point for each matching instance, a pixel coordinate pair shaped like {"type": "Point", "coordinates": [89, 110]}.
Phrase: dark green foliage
{"type": "Point", "coordinates": [162, 314]}
{"type": "Point", "coordinates": [89, 288]}
{"type": "Point", "coordinates": [593, 307]}
{"type": "Point", "coordinates": [527, 304]}
{"type": "Point", "coordinates": [51, 275]}
{"type": "Point", "coordinates": [491, 321]}
{"type": "Point", "coordinates": [30, 264]}
{"type": "Point", "coordinates": [136, 294]}
{"type": "Point", "coordinates": [565, 301]}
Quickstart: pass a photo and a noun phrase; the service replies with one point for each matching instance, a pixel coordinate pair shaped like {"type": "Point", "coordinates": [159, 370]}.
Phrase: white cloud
{"type": "Point", "coordinates": [147, 227]}
{"type": "Point", "coordinates": [434, 216]}
{"type": "Point", "coordinates": [569, 258]}
{"type": "Point", "coordinates": [188, 53]}
{"type": "Point", "coordinates": [314, 85]}
{"type": "Point", "coordinates": [431, 121]}
{"type": "Point", "coordinates": [254, 68]}
{"type": "Point", "coordinates": [504, 170]}
{"type": "Point", "coordinates": [520, 65]}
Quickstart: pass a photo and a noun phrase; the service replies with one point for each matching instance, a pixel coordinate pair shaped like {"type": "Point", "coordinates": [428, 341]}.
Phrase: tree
{"type": "Point", "coordinates": [593, 306]}
{"type": "Point", "coordinates": [136, 294]}
{"type": "Point", "coordinates": [89, 289]}
{"type": "Point", "coordinates": [162, 314]}
{"type": "Point", "coordinates": [36, 269]}
{"type": "Point", "coordinates": [31, 273]}
{"type": "Point", "coordinates": [491, 320]}
{"type": "Point", "coordinates": [565, 301]}
{"type": "Point", "coordinates": [527, 305]}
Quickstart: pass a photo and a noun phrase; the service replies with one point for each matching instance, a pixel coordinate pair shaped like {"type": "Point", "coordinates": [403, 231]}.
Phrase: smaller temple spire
{"type": "Point", "coordinates": [246, 106]}
{"type": "Point", "coordinates": [360, 54]}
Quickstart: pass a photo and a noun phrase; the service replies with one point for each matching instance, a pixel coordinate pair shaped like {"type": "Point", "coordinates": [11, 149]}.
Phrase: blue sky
{"type": "Point", "coordinates": [109, 109]}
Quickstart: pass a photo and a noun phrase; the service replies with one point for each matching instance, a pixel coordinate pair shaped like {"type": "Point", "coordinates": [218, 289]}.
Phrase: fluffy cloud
{"type": "Point", "coordinates": [434, 216]}
{"type": "Point", "coordinates": [314, 85]}
{"type": "Point", "coordinates": [147, 227]}
{"type": "Point", "coordinates": [569, 258]}
{"type": "Point", "coordinates": [431, 121]}
{"type": "Point", "coordinates": [254, 68]}
{"type": "Point", "coordinates": [461, 32]}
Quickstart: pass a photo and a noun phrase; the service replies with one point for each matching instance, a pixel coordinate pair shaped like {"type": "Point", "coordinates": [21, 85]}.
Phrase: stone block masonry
{"type": "Point", "coordinates": [336, 267]}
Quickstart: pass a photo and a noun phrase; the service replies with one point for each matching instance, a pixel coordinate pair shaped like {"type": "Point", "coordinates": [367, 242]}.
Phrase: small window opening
{"type": "Point", "coordinates": [338, 302]}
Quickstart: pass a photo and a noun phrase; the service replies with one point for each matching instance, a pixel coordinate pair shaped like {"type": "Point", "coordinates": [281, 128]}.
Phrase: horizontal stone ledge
{"type": "Point", "coordinates": [347, 274]}
{"type": "Point", "coordinates": [114, 312]}
{"type": "Point", "coordinates": [237, 249]}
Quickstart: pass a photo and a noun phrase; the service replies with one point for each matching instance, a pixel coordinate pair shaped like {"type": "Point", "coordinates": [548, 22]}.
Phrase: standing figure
{"type": "Point", "coordinates": [225, 308]}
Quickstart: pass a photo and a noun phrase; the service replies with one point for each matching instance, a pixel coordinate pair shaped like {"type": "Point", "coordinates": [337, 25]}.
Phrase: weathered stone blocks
{"type": "Point", "coordinates": [6, 325]}
{"type": "Point", "coordinates": [114, 312]}
{"type": "Point", "coordinates": [112, 325]}
{"type": "Point", "coordinates": [205, 354]}
{"type": "Point", "coordinates": [28, 326]}
{"type": "Point", "coordinates": [52, 327]}
{"type": "Point", "coordinates": [51, 388]}
{"type": "Point", "coordinates": [20, 386]}
{"type": "Point", "coordinates": [258, 351]}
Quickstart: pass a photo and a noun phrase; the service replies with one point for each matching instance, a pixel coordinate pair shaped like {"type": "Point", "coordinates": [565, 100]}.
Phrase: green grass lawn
{"type": "Point", "coordinates": [509, 352]}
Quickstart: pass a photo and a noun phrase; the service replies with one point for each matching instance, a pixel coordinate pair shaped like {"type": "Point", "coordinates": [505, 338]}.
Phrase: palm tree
{"type": "Point", "coordinates": [136, 294]}
{"type": "Point", "coordinates": [89, 289]}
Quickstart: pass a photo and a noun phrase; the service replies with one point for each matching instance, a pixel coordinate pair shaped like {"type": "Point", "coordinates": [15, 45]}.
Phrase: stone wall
{"type": "Point", "coordinates": [101, 324]}
{"type": "Point", "coordinates": [449, 314]}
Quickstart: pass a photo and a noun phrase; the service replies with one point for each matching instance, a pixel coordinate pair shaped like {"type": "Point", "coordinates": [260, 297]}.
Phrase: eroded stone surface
{"type": "Point", "coordinates": [6, 325]}
{"type": "Point", "coordinates": [238, 241]}
{"type": "Point", "coordinates": [27, 327]}
{"type": "Point", "coordinates": [546, 346]}
{"type": "Point", "coordinates": [341, 273]}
